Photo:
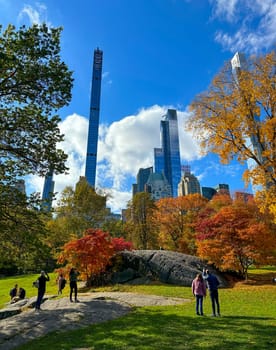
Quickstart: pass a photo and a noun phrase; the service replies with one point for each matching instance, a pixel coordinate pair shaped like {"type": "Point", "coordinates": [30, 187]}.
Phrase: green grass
{"type": "Point", "coordinates": [26, 281]}
{"type": "Point", "coordinates": [248, 322]}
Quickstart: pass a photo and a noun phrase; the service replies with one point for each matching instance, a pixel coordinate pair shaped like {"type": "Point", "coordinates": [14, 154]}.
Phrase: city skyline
{"type": "Point", "coordinates": [160, 56]}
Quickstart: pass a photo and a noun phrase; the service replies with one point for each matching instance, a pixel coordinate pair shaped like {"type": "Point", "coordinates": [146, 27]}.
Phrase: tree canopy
{"type": "Point", "coordinates": [139, 227]}
{"type": "Point", "coordinates": [34, 84]}
{"type": "Point", "coordinates": [236, 118]}
{"type": "Point", "coordinates": [80, 209]}
{"type": "Point", "coordinates": [92, 253]}
{"type": "Point", "coordinates": [235, 236]}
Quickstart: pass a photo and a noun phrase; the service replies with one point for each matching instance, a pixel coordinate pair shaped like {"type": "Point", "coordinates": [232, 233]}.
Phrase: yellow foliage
{"type": "Point", "coordinates": [235, 118]}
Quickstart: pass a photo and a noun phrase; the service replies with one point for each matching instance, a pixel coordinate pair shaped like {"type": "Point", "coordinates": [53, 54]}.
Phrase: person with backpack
{"type": "Point", "coordinates": [42, 279]}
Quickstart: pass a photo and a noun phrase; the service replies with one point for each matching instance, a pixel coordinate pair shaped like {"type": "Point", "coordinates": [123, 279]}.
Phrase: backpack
{"type": "Point", "coordinates": [63, 283]}
{"type": "Point", "coordinates": [36, 284]}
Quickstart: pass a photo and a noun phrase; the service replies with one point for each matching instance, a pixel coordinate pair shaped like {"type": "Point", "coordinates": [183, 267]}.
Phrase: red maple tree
{"type": "Point", "coordinates": [91, 253]}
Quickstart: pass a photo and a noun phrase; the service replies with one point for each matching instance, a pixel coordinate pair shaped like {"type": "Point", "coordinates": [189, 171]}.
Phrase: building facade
{"type": "Point", "coordinates": [208, 192]}
{"type": "Point", "coordinates": [222, 189]}
{"type": "Point", "coordinates": [238, 64]}
{"type": "Point", "coordinates": [142, 178]}
{"type": "Point", "coordinates": [188, 184]}
{"type": "Point", "coordinates": [158, 186]}
{"type": "Point", "coordinates": [48, 191]}
{"type": "Point", "coordinates": [167, 158]}
{"type": "Point", "coordinates": [92, 142]}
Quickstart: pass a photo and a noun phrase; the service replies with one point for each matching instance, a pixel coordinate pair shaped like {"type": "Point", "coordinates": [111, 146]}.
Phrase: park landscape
{"type": "Point", "coordinates": [236, 236]}
{"type": "Point", "coordinates": [248, 318]}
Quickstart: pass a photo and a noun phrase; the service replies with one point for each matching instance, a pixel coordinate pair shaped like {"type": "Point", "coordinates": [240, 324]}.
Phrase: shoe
{"type": "Point", "coordinates": [198, 313]}
{"type": "Point", "coordinates": [201, 314]}
{"type": "Point", "coordinates": [218, 315]}
{"type": "Point", "coordinates": [214, 315]}
{"type": "Point", "coordinates": [77, 301]}
{"type": "Point", "coordinates": [71, 300]}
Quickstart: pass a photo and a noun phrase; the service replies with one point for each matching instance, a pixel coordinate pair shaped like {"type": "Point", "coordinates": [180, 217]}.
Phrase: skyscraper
{"type": "Point", "coordinates": [142, 178]}
{"type": "Point", "coordinates": [92, 142]}
{"type": "Point", "coordinates": [189, 183]}
{"type": "Point", "coordinates": [238, 64]}
{"type": "Point", "coordinates": [168, 157]}
{"type": "Point", "coordinates": [48, 191]}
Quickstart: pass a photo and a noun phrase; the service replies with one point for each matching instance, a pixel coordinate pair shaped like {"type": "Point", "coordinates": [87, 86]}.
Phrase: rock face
{"type": "Point", "coordinates": [142, 266]}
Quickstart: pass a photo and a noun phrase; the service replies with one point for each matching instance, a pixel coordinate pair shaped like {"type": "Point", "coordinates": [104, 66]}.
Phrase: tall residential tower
{"type": "Point", "coordinates": [92, 142]}
{"type": "Point", "coordinates": [48, 191]}
{"type": "Point", "coordinates": [167, 158]}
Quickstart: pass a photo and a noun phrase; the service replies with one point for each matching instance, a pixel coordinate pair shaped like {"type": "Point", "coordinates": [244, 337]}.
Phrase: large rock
{"type": "Point", "coordinates": [21, 305]}
{"type": "Point", "coordinates": [165, 266]}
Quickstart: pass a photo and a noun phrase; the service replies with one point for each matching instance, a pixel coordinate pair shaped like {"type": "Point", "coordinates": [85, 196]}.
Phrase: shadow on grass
{"type": "Point", "coordinates": [146, 329]}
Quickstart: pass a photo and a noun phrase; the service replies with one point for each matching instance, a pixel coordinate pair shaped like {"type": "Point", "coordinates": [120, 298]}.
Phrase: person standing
{"type": "Point", "coordinates": [199, 291]}
{"type": "Point", "coordinates": [61, 283]}
{"type": "Point", "coordinates": [42, 279]}
{"type": "Point", "coordinates": [73, 277]}
{"type": "Point", "coordinates": [212, 284]}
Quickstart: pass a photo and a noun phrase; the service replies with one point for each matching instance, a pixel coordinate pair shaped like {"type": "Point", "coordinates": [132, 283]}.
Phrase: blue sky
{"type": "Point", "coordinates": [158, 54]}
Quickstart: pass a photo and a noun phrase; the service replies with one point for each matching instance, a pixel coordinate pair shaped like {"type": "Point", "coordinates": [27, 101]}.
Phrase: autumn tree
{"type": "Point", "coordinates": [91, 253]}
{"type": "Point", "coordinates": [236, 236]}
{"type": "Point", "coordinates": [235, 118]}
{"type": "Point", "coordinates": [80, 209]}
{"type": "Point", "coordinates": [174, 218]}
{"type": "Point", "coordinates": [139, 226]}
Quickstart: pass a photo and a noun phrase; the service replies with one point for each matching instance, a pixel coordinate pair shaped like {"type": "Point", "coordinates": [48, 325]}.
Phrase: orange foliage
{"type": "Point", "coordinates": [91, 253]}
{"type": "Point", "coordinates": [174, 219]}
{"type": "Point", "coordinates": [235, 237]}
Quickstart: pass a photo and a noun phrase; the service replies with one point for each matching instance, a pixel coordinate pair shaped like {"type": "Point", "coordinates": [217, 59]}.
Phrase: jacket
{"type": "Point", "coordinates": [198, 287]}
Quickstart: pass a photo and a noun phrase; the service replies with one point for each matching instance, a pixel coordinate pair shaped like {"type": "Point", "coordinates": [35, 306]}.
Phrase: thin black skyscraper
{"type": "Point", "coordinates": [92, 141]}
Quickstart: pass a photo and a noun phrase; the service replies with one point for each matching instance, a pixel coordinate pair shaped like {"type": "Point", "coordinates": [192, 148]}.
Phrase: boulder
{"type": "Point", "coordinates": [161, 265]}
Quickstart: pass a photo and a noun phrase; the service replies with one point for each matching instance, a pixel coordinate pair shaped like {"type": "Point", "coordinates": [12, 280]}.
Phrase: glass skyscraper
{"type": "Point", "coordinates": [92, 142]}
{"type": "Point", "coordinates": [167, 158]}
{"type": "Point", "coordinates": [48, 191]}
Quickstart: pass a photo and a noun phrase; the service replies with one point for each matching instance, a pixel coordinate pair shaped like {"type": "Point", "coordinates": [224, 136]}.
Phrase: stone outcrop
{"type": "Point", "coordinates": [143, 266]}
{"type": "Point", "coordinates": [12, 309]}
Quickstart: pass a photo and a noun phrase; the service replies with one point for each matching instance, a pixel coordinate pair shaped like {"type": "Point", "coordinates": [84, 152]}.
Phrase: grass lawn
{"type": "Point", "coordinates": [26, 281]}
{"type": "Point", "coordinates": [248, 322]}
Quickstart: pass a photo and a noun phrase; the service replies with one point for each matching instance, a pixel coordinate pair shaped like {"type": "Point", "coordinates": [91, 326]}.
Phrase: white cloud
{"type": "Point", "coordinates": [123, 148]}
{"type": "Point", "coordinates": [224, 8]}
{"type": "Point", "coordinates": [35, 14]}
{"type": "Point", "coordinates": [256, 22]}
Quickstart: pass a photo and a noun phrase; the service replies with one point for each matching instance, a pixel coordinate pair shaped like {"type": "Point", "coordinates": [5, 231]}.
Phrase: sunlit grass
{"type": "Point", "coordinates": [248, 322]}
{"type": "Point", "coordinates": [25, 281]}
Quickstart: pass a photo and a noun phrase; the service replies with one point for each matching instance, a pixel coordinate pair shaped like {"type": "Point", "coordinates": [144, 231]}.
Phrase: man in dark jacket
{"type": "Point", "coordinates": [212, 284]}
{"type": "Point", "coordinates": [13, 291]}
{"type": "Point", "coordinates": [42, 279]}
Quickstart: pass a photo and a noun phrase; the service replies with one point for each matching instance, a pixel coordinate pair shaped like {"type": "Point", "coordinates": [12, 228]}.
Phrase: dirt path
{"type": "Point", "coordinates": [61, 314]}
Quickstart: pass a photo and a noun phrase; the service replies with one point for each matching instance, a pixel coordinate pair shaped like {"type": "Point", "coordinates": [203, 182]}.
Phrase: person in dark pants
{"type": "Point", "coordinates": [73, 277]}
{"type": "Point", "coordinates": [42, 279]}
{"type": "Point", "coordinates": [199, 291]}
{"type": "Point", "coordinates": [212, 284]}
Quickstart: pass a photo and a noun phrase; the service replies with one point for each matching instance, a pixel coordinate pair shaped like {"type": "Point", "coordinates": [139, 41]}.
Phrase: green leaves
{"type": "Point", "coordinates": [34, 84]}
